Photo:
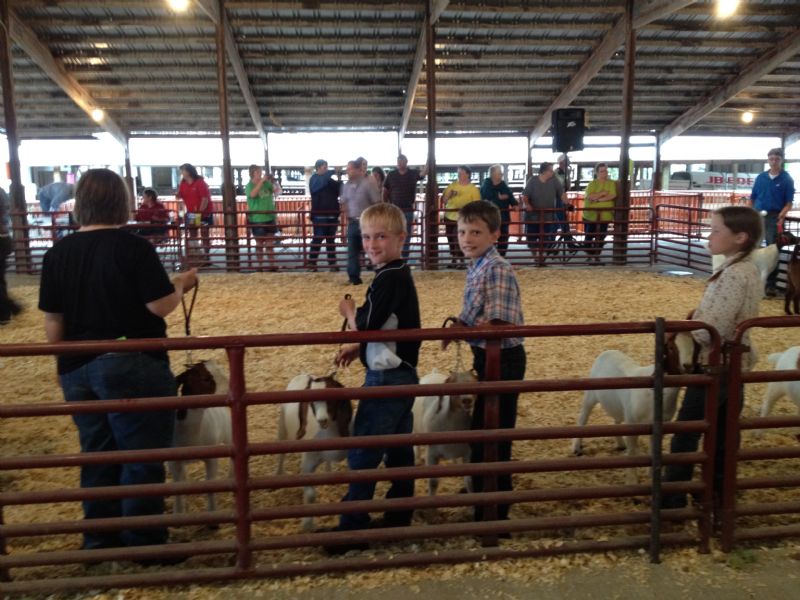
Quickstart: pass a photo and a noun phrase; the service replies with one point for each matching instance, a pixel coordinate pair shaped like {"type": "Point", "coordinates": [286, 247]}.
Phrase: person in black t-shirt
{"type": "Point", "coordinates": [104, 283]}
{"type": "Point", "coordinates": [391, 303]}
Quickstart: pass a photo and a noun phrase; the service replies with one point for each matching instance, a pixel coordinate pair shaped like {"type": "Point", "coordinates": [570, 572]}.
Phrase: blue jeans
{"type": "Point", "coordinates": [770, 235]}
{"type": "Point", "coordinates": [409, 226]}
{"type": "Point", "coordinates": [540, 235]}
{"type": "Point", "coordinates": [381, 416]}
{"type": "Point", "coordinates": [324, 231]}
{"type": "Point", "coordinates": [354, 249]}
{"type": "Point", "coordinates": [116, 376]}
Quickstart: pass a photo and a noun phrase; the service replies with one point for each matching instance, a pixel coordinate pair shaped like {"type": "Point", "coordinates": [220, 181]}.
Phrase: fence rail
{"type": "Point", "coordinates": [247, 546]}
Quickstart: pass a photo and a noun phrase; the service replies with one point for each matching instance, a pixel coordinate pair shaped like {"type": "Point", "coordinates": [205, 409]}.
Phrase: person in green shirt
{"type": "Point", "coordinates": [598, 210]}
{"type": "Point", "coordinates": [261, 192]}
{"type": "Point", "coordinates": [456, 195]}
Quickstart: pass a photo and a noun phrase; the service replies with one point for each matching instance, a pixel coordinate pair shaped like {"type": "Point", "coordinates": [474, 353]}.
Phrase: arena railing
{"type": "Point", "coordinates": [743, 496]}
{"type": "Point", "coordinates": [243, 541]}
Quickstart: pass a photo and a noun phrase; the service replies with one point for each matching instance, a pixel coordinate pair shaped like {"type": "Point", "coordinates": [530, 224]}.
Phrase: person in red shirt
{"type": "Point", "coordinates": [196, 197]}
{"type": "Point", "coordinates": [152, 211]}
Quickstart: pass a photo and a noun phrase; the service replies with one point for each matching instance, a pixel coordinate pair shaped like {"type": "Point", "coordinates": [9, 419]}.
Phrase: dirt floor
{"type": "Point", "coordinates": [261, 303]}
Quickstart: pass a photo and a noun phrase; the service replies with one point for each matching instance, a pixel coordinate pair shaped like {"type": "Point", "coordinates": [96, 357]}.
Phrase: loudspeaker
{"type": "Point", "coordinates": [568, 129]}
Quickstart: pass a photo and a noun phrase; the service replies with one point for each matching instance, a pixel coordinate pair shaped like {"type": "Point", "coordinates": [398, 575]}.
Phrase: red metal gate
{"type": "Point", "coordinates": [255, 556]}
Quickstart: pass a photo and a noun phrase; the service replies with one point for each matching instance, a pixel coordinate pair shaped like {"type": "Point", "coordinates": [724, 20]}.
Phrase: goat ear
{"type": "Point", "coordinates": [302, 413]}
{"type": "Point", "coordinates": [344, 415]}
{"type": "Point", "coordinates": [180, 381]}
{"type": "Point", "coordinates": [439, 405]}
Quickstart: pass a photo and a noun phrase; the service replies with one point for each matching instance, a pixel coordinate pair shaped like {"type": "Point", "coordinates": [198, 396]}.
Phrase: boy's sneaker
{"type": "Point", "coordinates": [343, 548]}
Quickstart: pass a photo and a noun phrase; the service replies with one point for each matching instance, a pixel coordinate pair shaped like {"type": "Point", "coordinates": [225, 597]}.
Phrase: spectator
{"type": "Point", "coordinates": [8, 307]}
{"type": "Point", "coordinates": [324, 213]}
{"type": "Point", "coordinates": [152, 211]}
{"type": "Point", "coordinates": [598, 210]}
{"type": "Point", "coordinates": [196, 197]}
{"type": "Point", "coordinates": [261, 192]}
{"type": "Point", "coordinates": [772, 196]}
{"type": "Point", "coordinates": [357, 194]}
{"type": "Point", "coordinates": [53, 195]}
{"type": "Point", "coordinates": [400, 188]}
{"type": "Point", "coordinates": [378, 177]}
{"type": "Point", "coordinates": [459, 193]}
{"type": "Point", "coordinates": [496, 191]}
{"type": "Point", "coordinates": [104, 283]}
{"type": "Point", "coordinates": [542, 197]}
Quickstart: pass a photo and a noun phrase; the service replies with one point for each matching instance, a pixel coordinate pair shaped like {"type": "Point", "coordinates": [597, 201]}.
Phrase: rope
{"type": "Point", "coordinates": [459, 345]}
{"type": "Point", "coordinates": [343, 328]}
{"type": "Point", "coordinates": [187, 318]}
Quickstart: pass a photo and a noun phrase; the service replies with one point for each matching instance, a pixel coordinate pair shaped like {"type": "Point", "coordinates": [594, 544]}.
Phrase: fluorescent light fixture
{"type": "Point", "coordinates": [100, 45]}
{"type": "Point", "coordinates": [98, 114]}
{"type": "Point", "coordinates": [726, 8]}
{"type": "Point", "coordinates": [747, 116]}
{"type": "Point", "coordinates": [178, 5]}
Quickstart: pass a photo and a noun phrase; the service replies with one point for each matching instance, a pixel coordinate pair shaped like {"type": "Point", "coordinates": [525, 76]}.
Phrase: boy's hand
{"type": "Point", "coordinates": [347, 354]}
{"type": "Point", "coordinates": [458, 324]}
{"type": "Point", "coordinates": [347, 308]}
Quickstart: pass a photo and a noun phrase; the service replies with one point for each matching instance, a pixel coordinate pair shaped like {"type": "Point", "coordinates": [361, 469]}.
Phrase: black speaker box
{"type": "Point", "coordinates": [568, 126]}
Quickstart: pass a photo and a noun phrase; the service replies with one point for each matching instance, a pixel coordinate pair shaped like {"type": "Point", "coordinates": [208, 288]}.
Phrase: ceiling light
{"type": "Point", "coordinates": [726, 8]}
{"type": "Point", "coordinates": [95, 60]}
{"type": "Point", "coordinates": [178, 5]}
{"type": "Point", "coordinates": [100, 45]}
{"type": "Point", "coordinates": [98, 114]}
{"type": "Point", "coordinates": [747, 116]}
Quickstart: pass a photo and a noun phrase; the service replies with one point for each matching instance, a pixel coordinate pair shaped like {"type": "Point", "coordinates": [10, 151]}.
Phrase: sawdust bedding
{"type": "Point", "coordinates": [286, 302]}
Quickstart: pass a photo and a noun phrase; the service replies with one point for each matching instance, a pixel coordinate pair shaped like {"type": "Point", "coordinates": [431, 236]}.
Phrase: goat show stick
{"type": "Point", "coordinates": [459, 358]}
{"type": "Point", "coordinates": [187, 318]}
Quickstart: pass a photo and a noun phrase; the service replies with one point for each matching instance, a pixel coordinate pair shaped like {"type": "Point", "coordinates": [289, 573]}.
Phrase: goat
{"type": "Point", "coordinates": [783, 361]}
{"type": "Point", "coordinates": [766, 259]}
{"type": "Point", "coordinates": [331, 419]}
{"type": "Point", "coordinates": [445, 413]}
{"type": "Point", "coordinates": [200, 426]}
{"type": "Point", "coordinates": [792, 295]}
{"type": "Point", "coordinates": [631, 406]}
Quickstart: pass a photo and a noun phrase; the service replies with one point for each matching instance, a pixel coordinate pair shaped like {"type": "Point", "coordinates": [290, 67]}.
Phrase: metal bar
{"type": "Point", "coordinates": [19, 219]}
{"type": "Point", "coordinates": [430, 239]}
{"type": "Point", "coordinates": [730, 466]}
{"type": "Point", "coordinates": [705, 523]}
{"type": "Point", "coordinates": [491, 420]}
{"type": "Point", "coordinates": [623, 201]}
{"type": "Point", "coordinates": [241, 457]}
{"type": "Point", "coordinates": [228, 194]}
{"type": "Point", "coordinates": [656, 440]}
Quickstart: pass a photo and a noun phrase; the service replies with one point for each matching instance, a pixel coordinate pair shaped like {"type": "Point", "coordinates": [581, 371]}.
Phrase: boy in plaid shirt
{"type": "Point", "coordinates": [491, 296]}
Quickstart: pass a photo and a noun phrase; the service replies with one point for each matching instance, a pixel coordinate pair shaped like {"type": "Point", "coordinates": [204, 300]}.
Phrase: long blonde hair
{"type": "Point", "coordinates": [741, 219]}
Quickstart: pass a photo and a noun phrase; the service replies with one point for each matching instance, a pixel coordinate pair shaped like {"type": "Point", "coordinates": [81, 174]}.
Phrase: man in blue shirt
{"type": "Point", "coordinates": [772, 196]}
{"type": "Point", "coordinates": [53, 195]}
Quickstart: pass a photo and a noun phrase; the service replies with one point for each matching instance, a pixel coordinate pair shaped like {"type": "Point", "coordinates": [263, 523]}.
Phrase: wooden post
{"type": "Point", "coordinates": [656, 185]}
{"type": "Point", "coordinates": [623, 202]}
{"type": "Point", "coordinates": [228, 193]}
{"type": "Point", "coordinates": [19, 210]}
{"type": "Point", "coordinates": [129, 175]}
{"type": "Point", "coordinates": [430, 237]}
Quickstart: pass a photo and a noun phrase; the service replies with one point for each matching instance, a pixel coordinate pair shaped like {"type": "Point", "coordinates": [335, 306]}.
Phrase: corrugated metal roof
{"type": "Point", "coordinates": [316, 65]}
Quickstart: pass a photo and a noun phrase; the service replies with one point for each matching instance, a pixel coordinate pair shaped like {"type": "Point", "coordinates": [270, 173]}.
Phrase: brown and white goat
{"type": "Point", "coordinates": [632, 406]}
{"type": "Point", "coordinates": [792, 294]}
{"type": "Point", "coordinates": [318, 420]}
{"type": "Point", "coordinates": [200, 426]}
{"type": "Point", "coordinates": [445, 413]}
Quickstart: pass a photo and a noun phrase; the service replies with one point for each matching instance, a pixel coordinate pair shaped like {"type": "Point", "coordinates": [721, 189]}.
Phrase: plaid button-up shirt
{"type": "Point", "coordinates": [492, 292]}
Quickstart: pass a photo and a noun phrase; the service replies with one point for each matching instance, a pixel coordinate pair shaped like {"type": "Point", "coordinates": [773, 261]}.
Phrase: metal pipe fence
{"type": "Point", "coordinates": [254, 554]}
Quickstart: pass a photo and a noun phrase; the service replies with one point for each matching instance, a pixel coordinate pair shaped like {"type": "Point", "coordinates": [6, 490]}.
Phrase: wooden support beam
{"type": "Point", "coordinates": [436, 8]}
{"type": "Point", "coordinates": [784, 50]}
{"type": "Point", "coordinates": [212, 10]}
{"type": "Point", "coordinates": [654, 10]}
{"type": "Point", "coordinates": [24, 37]}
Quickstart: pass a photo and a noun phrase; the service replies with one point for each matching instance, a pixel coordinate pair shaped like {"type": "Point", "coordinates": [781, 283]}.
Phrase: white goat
{"type": "Point", "coordinates": [445, 413]}
{"type": "Point", "coordinates": [201, 426]}
{"type": "Point", "coordinates": [766, 259]}
{"type": "Point", "coordinates": [330, 420]}
{"type": "Point", "coordinates": [632, 406]}
{"type": "Point", "coordinates": [783, 361]}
